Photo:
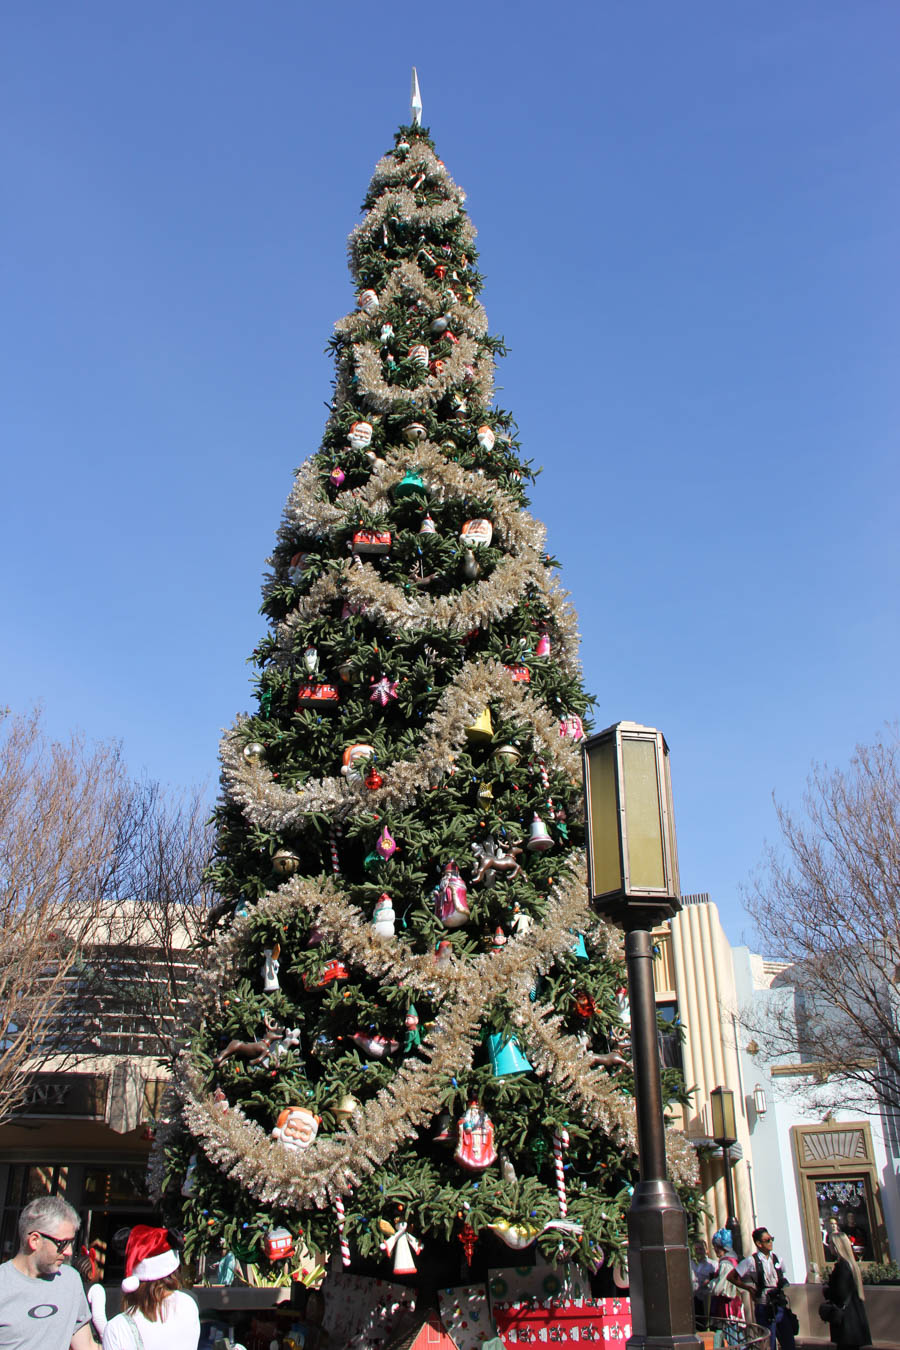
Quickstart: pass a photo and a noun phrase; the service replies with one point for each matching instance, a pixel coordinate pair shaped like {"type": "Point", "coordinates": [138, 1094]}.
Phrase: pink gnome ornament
{"type": "Point", "coordinates": [475, 1139]}
{"type": "Point", "coordinates": [450, 903]}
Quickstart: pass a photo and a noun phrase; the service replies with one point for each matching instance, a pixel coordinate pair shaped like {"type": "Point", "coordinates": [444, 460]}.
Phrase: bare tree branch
{"type": "Point", "coordinates": [828, 904]}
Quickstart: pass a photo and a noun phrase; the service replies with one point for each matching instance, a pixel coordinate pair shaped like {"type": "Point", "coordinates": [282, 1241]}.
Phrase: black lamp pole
{"type": "Point", "coordinates": [633, 878]}
{"type": "Point", "coordinates": [725, 1134]}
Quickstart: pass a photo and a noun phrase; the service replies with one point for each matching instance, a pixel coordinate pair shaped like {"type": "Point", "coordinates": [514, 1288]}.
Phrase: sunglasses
{"type": "Point", "coordinates": [59, 1243]}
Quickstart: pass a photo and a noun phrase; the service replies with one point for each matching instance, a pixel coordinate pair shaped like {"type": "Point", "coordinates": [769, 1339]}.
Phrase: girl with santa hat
{"type": "Point", "coordinates": [155, 1315]}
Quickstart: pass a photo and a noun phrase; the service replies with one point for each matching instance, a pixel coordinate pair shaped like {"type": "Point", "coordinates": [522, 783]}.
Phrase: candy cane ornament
{"type": "Point", "coordinates": [332, 843]}
{"type": "Point", "coordinates": [545, 784]}
{"type": "Point", "coordinates": [341, 1219]}
{"type": "Point", "coordinates": [560, 1141]}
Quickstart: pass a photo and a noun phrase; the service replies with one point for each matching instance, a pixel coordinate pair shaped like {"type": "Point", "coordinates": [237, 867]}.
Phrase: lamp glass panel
{"type": "Point", "coordinates": [606, 872]}
{"type": "Point", "coordinates": [643, 818]}
{"type": "Point", "coordinates": [722, 1102]}
{"type": "Point", "coordinates": [674, 880]}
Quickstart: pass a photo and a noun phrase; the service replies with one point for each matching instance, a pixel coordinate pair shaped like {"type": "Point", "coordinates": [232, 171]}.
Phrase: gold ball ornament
{"type": "Point", "coordinates": [254, 752]}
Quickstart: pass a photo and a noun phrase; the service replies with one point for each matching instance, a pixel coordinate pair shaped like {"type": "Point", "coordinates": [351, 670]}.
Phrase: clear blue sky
{"type": "Point", "coordinates": [687, 217]}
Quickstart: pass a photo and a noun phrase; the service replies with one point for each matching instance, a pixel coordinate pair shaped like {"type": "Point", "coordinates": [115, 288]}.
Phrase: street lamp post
{"type": "Point", "coordinates": [725, 1134]}
{"type": "Point", "coordinates": [633, 879]}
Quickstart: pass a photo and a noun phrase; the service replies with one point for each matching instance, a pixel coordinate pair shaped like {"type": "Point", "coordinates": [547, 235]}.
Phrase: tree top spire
{"type": "Point", "coordinates": [415, 101]}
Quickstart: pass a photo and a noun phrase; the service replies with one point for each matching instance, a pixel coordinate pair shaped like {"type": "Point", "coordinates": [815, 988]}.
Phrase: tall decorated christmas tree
{"type": "Point", "coordinates": [411, 1044]}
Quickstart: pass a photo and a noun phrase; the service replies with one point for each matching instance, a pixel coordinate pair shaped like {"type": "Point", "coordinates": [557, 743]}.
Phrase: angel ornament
{"type": "Point", "coordinates": [401, 1245]}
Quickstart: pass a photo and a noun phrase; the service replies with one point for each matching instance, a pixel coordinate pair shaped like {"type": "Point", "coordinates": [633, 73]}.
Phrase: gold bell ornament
{"type": "Point", "coordinates": [285, 863]}
{"type": "Point", "coordinates": [345, 1108]}
{"type": "Point", "coordinates": [482, 729]}
{"type": "Point", "coordinates": [484, 793]}
{"type": "Point", "coordinates": [539, 840]}
{"type": "Point", "coordinates": [508, 754]}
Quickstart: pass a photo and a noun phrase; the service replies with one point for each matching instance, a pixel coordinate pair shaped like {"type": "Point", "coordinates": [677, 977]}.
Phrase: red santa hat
{"type": "Point", "coordinates": [149, 1255]}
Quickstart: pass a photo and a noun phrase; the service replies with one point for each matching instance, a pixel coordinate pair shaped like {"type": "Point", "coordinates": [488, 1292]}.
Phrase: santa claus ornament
{"type": "Point", "coordinates": [150, 1255]}
{"type": "Point", "coordinates": [475, 1139]}
{"type": "Point", "coordinates": [450, 898]}
{"type": "Point", "coordinates": [295, 1128]}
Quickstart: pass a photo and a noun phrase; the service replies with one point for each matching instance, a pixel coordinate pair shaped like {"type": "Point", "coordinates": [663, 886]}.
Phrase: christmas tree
{"type": "Point", "coordinates": [411, 1044]}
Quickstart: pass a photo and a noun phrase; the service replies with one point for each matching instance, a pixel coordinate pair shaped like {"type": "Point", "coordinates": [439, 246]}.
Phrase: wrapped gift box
{"type": "Point", "coordinates": [466, 1314]}
{"type": "Point", "coordinates": [580, 1321]}
{"type": "Point", "coordinates": [362, 1310]}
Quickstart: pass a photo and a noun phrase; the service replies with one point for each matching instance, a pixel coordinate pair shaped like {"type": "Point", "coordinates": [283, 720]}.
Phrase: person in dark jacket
{"type": "Point", "coordinates": [849, 1324]}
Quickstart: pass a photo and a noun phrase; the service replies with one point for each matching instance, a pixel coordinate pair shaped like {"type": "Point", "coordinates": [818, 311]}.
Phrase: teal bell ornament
{"type": "Point", "coordinates": [506, 1056]}
{"type": "Point", "coordinates": [410, 484]}
{"type": "Point", "coordinates": [579, 949]}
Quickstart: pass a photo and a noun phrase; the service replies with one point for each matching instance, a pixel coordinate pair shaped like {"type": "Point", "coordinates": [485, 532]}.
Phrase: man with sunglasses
{"type": "Point", "coordinates": [763, 1275]}
{"type": "Point", "coordinates": [42, 1302]}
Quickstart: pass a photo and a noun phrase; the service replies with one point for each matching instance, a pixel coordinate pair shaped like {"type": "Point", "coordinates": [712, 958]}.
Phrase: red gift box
{"type": "Point", "coordinates": [581, 1321]}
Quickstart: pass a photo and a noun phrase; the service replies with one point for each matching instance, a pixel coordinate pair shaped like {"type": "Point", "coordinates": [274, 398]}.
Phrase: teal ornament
{"type": "Point", "coordinates": [410, 484]}
{"type": "Point", "coordinates": [507, 1059]}
{"type": "Point", "coordinates": [371, 861]}
{"type": "Point", "coordinates": [225, 1271]}
{"type": "Point", "coordinates": [579, 949]}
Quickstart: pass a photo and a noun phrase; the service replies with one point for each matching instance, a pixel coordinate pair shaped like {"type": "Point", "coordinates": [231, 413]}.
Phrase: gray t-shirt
{"type": "Point", "coordinates": [41, 1314]}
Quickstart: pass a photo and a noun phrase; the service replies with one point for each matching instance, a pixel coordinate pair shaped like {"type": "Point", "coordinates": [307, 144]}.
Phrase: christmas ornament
{"type": "Point", "coordinates": [539, 840]}
{"type": "Point", "coordinates": [413, 1034]}
{"type": "Point", "coordinates": [387, 332]}
{"type": "Point", "coordinates": [255, 1052]}
{"type": "Point", "coordinates": [482, 729]}
{"type": "Point", "coordinates": [475, 1139]}
{"type": "Point", "coordinates": [485, 438]}
{"type": "Point", "coordinates": [344, 1109]}
{"type": "Point", "coordinates": [471, 568]}
{"type": "Point", "coordinates": [506, 1056]}
{"type": "Point", "coordinates": [341, 1224]}
{"type": "Point", "coordinates": [372, 541]}
{"type": "Point", "coordinates": [285, 863]}
{"type": "Point", "coordinates": [572, 727]}
{"type": "Point", "coordinates": [374, 779]}
{"type": "Point", "coordinates": [560, 1141]}
{"type": "Point", "coordinates": [579, 949]}
{"type": "Point", "coordinates": [387, 844]}
{"type": "Point", "coordinates": [383, 691]}
{"type": "Point", "coordinates": [375, 1046]}
{"type": "Point", "coordinates": [333, 970]}
{"type": "Point", "coordinates": [419, 355]}
{"type": "Point", "coordinates": [400, 1244]}
{"type": "Point", "coordinates": [279, 1244]}
{"type": "Point", "coordinates": [518, 674]}
{"type": "Point", "coordinates": [337, 476]}
{"type": "Point", "coordinates": [427, 526]}
{"type": "Point", "coordinates": [492, 857]}
{"type": "Point", "coordinates": [543, 646]}
{"type": "Point", "coordinates": [414, 432]}
{"type": "Point", "coordinates": [440, 324]}
{"type": "Point", "coordinates": [443, 953]}
{"type": "Point", "coordinates": [323, 696]}
{"type": "Point", "coordinates": [383, 917]}
{"type": "Point", "coordinates": [411, 483]}
{"type": "Point", "coordinates": [295, 1128]}
{"type": "Point", "coordinates": [368, 301]}
{"type": "Point", "coordinates": [518, 1236]}
{"type": "Point", "coordinates": [584, 1004]}
{"type": "Point", "coordinates": [189, 1185]}
{"type": "Point", "coordinates": [375, 461]}
{"type": "Point", "coordinates": [345, 670]}
{"type": "Point", "coordinates": [353, 761]}
{"type": "Point", "coordinates": [311, 660]}
{"type": "Point", "coordinates": [436, 367]}
{"type": "Point", "coordinates": [484, 793]}
{"type": "Point", "coordinates": [509, 754]}
{"type": "Point", "coordinates": [440, 271]}
{"type": "Point", "coordinates": [468, 1237]}
{"type": "Point", "coordinates": [450, 903]}
{"type": "Point", "coordinates": [254, 753]}
{"type": "Point", "coordinates": [271, 966]}
{"type": "Point", "coordinates": [296, 568]}
{"type": "Point", "coordinates": [478, 531]}
{"type": "Point", "coordinates": [521, 921]}
{"type": "Point", "coordinates": [444, 1132]}
{"type": "Point", "coordinates": [498, 941]}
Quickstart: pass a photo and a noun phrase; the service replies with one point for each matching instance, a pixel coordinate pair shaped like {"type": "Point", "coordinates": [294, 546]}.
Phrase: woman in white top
{"type": "Point", "coordinates": [155, 1315]}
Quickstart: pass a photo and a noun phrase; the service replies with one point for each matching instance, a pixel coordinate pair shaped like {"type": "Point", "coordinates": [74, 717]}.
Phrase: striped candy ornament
{"type": "Point", "coordinates": [332, 844]}
{"type": "Point", "coordinates": [560, 1141]}
{"type": "Point", "coordinates": [341, 1218]}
